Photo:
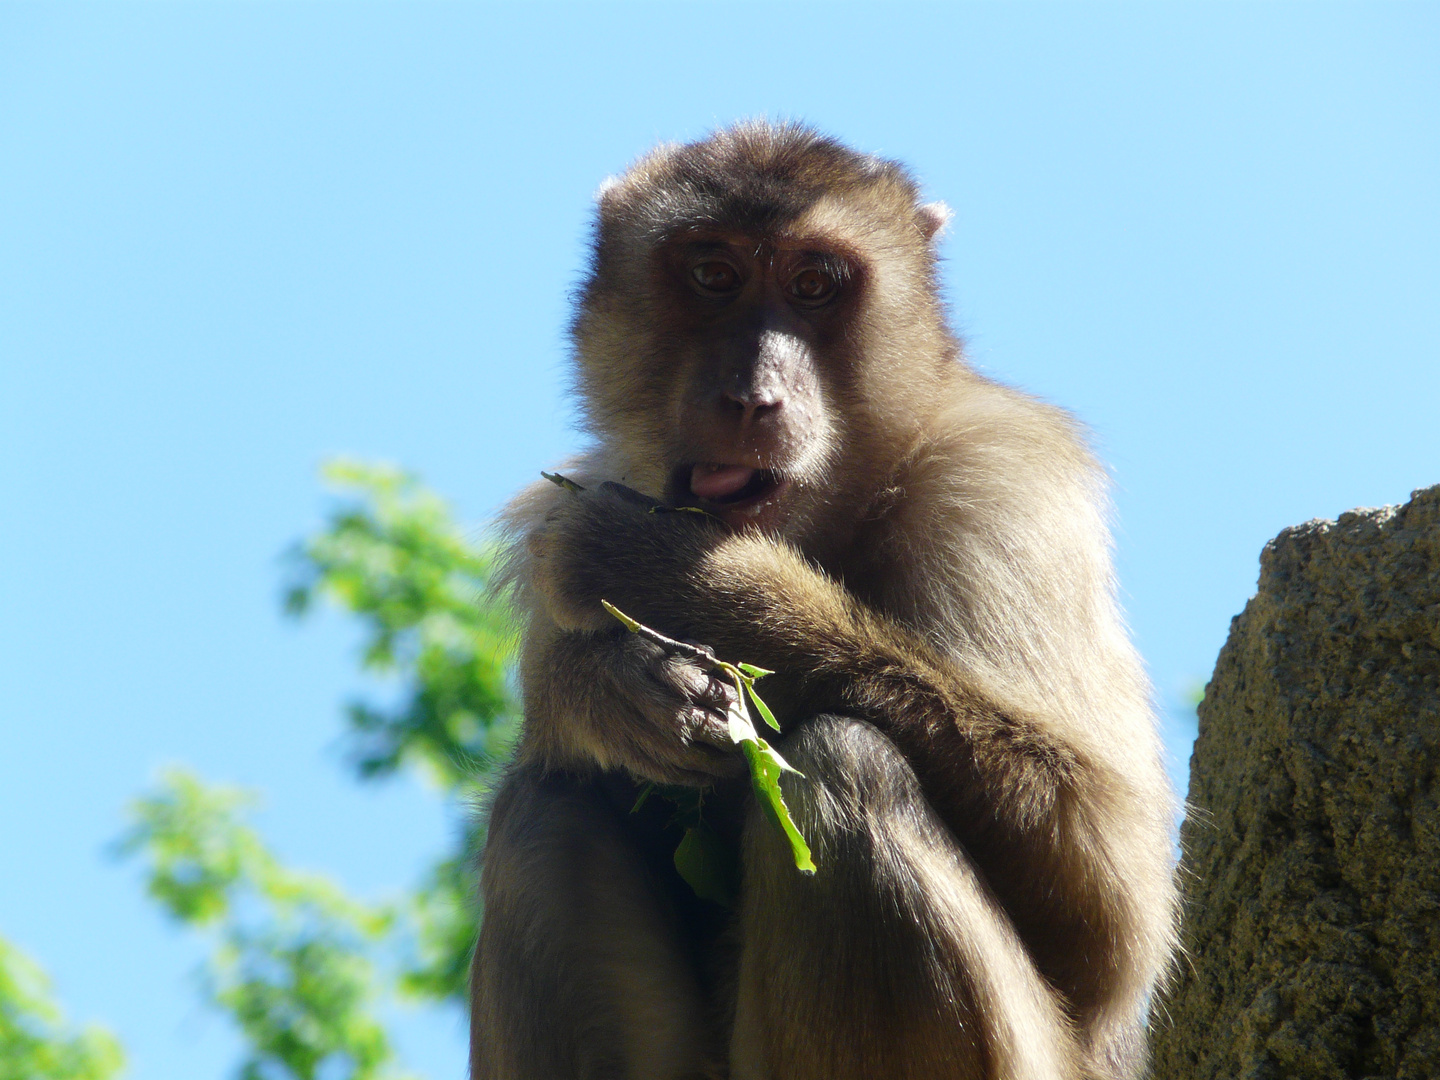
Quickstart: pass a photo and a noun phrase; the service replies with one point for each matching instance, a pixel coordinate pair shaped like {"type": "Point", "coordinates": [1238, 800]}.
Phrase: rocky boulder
{"type": "Point", "coordinates": [1311, 844]}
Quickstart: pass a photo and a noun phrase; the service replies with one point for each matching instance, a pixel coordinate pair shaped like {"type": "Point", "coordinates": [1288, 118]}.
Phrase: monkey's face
{"type": "Point", "coordinates": [759, 335]}
{"type": "Point", "coordinates": [750, 340]}
{"type": "Point", "coordinates": [759, 375]}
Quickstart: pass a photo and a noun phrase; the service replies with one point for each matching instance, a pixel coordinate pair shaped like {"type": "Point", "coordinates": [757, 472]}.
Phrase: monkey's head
{"type": "Point", "coordinates": [760, 334]}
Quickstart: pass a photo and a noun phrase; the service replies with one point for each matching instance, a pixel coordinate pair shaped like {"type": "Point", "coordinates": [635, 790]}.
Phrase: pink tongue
{"type": "Point", "coordinates": [718, 481]}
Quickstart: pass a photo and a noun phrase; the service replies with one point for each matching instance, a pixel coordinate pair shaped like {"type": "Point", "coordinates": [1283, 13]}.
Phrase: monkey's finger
{"type": "Point", "coordinates": [719, 697]}
{"type": "Point", "coordinates": [711, 750]}
{"type": "Point", "coordinates": [706, 652]}
{"type": "Point", "coordinates": [705, 727]}
{"type": "Point", "coordinates": [695, 683]}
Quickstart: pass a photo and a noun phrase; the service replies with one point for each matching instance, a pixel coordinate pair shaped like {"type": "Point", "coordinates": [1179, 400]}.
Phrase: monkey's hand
{"type": "Point", "coordinates": [625, 702]}
{"type": "Point", "coordinates": [609, 542]}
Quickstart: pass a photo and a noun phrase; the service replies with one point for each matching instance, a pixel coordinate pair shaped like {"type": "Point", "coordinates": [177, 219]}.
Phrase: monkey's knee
{"type": "Point", "coordinates": [895, 951]}
{"type": "Point", "coordinates": [854, 768]}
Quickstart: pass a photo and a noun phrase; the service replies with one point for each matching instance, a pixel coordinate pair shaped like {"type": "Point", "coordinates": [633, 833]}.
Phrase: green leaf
{"type": "Point", "coordinates": [645, 793]}
{"type": "Point", "coordinates": [708, 866]}
{"type": "Point", "coordinates": [753, 671]}
{"type": "Point", "coordinates": [766, 766]}
{"type": "Point", "coordinates": [740, 727]}
{"type": "Point", "coordinates": [765, 712]}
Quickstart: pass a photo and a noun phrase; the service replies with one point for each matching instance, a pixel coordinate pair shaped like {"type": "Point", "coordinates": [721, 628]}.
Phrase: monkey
{"type": "Point", "coordinates": [922, 556]}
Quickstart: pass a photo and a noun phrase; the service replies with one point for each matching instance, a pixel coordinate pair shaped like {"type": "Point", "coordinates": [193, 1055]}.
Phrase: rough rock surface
{"type": "Point", "coordinates": [1312, 846]}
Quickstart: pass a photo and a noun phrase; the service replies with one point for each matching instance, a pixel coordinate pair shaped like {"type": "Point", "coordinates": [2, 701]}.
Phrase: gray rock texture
{"type": "Point", "coordinates": [1312, 844]}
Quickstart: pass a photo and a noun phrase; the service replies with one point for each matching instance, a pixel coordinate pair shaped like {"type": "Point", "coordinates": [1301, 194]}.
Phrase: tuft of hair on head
{"type": "Point", "coordinates": [609, 184]}
{"type": "Point", "coordinates": [933, 219]}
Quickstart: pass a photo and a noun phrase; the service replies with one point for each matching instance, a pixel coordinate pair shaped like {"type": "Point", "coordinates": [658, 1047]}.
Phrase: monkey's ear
{"type": "Point", "coordinates": [932, 219]}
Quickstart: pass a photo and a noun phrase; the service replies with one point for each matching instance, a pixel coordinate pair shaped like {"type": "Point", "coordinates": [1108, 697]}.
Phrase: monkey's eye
{"type": "Point", "coordinates": [813, 286]}
{"type": "Point", "coordinates": [716, 277]}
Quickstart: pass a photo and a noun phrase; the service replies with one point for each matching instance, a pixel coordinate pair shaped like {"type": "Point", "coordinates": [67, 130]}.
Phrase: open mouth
{"type": "Point", "coordinates": [726, 489]}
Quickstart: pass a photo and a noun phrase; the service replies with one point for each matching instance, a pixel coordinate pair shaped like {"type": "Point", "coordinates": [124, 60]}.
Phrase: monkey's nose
{"type": "Point", "coordinates": [754, 405]}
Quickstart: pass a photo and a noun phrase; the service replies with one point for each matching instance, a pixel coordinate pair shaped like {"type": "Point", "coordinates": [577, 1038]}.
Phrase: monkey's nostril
{"type": "Point", "coordinates": [753, 406]}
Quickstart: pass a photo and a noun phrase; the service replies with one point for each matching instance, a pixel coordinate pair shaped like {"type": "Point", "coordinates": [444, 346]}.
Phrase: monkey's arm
{"type": "Point", "coordinates": [755, 599]}
{"type": "Point", "coordinates": [1056, 825]}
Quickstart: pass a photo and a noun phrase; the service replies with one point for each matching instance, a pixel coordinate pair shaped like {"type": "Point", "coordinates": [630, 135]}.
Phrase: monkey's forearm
{"type": "Point", "coordinates": [755, 599]}
{"type": "Point", "coordinates": [752, 599]}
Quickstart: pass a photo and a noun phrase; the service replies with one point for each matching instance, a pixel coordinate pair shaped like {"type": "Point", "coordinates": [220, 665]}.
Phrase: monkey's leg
{"type": "Point", "coordinates": [579, 973]}
{"type": "Point", "coordinates": [893, 960]}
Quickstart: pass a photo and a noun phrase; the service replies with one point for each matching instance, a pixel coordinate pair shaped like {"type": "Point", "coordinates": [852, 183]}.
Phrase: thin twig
{"type": "Point", "coordinates": [663, 509]}
{"type": "Point", "coordinates": [692, 652]}
{"type": "Point", "coordinates": [561, 481]}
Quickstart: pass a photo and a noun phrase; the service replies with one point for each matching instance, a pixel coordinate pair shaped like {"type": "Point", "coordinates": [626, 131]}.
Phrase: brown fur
{"type": "Point", "coordinates": [983, 783]}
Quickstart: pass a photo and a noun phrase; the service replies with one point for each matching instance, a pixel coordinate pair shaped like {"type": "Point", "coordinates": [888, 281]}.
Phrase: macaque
{"type": "Point", "coordinates": [922, 557]}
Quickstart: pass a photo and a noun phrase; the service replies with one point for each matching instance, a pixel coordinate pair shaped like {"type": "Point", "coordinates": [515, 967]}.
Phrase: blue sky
{"type": "Point", "coordinates": [235, 240]}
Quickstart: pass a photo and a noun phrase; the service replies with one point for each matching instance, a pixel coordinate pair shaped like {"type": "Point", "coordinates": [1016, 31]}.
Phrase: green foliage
{"type": "Point", "coordinates": [442, 917]}
{"type": "Point", "coordinates": [766, 768]}
{"type": "Point", "coordinates": [706, 863]}
{"type": "Point", "coordinates": [293, 960]}
{"type": "Point", "coordinates": [291, 954]}
{"type": "Point", "coordinates": [394, 556]}
{"type": "Point", "coordinates": [35, 1043]}
{"type": "Point", "coordinates": [766, 764]}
